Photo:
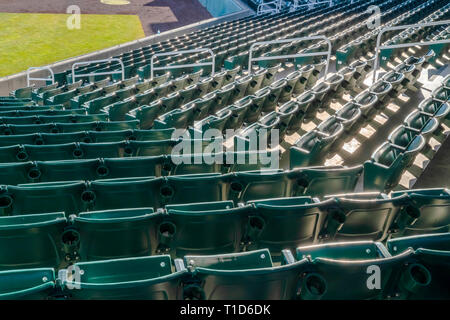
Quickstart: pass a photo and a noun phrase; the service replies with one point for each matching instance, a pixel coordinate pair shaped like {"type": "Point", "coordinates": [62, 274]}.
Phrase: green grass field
{"type": "Point", "coordinates": [28, 40]}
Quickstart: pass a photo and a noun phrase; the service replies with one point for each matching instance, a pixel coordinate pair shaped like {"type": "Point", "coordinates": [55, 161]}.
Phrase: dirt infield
{"type": "Point", "coordinates": [155, 15]}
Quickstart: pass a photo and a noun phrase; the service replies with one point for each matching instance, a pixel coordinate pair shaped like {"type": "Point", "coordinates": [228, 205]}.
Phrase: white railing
{"type": "Point", "coordinates": [379, 47]}
{"type": "Point", "coordinates": [269, 7]}
{"type": "Point", "coordinates": [165, 54]}
{"type": "Point", "coordinates": [52, 75]}
{"type": "Point", "coordinates": [310, 5]}
{"type": "Point", "coordinates": [290, 56]}
{"type": "Point", "coordinates": [122, 67]}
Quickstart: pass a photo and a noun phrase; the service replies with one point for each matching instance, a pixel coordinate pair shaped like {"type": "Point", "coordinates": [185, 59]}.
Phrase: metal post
{"type": "Point", "coordinates": [164, 54]}
{"type": "Point", "coordinates": [404, 45]}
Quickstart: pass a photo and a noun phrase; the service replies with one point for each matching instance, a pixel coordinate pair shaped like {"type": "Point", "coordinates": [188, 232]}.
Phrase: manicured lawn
{"type": "Point", "coordinates": [37, 39]}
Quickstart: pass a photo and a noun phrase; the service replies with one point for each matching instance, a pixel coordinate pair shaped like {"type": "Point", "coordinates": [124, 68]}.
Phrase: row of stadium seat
{"type": "Point", "coordinates": [76, 196]}
{"type": "Point", "coordinates": [12, 129]}
{"type": "Point", "coordinates": [51, 239]}
{"type": "Point", "coordinates": [413, 267]}
{"type": "Point", "coordinates": [366, 43]}
{"type": "Point", "coordinates": [387, 163]}
{"type": "Point", "coordinates": [114, 168]}
{"type": "Point", "coordinates": [312, 147]}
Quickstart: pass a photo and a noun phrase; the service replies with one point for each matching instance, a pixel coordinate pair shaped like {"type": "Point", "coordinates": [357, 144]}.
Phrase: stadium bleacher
{"type": "Point", "coordinates": [89, 179]}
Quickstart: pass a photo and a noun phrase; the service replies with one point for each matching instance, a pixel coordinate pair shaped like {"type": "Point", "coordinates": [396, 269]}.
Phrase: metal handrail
{"type": "Point", "coordinates": [261, 6]}
{"type": "Point", "coordinates": [288, 56]}
{"type": "Point", "coordinates": [404, 45]}
{"type": "Point", "coordinates": [122, 72]}
{"type": "Point", "coordinates": [40, 79]}
{"type": "Point", "coordinates": [297, 6]}
{"type": "Point", "coordinates": [171, 53]}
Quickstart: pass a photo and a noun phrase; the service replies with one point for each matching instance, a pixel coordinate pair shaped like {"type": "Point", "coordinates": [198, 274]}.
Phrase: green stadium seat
{"type": "Point", "coordinates": [349, 115]}
{"type": "Point", "coordinates": [397, 80]}
{"type": "Point", "coordinates": [350, 78]}
{"type": "Point", "coordinates": [41, 198]}
{"type": "Point", "coordinates": [270, 75]}
{"type": "Point", "coordinates": [291, 117]}
{"type": "Point", "coordinates": [153, 134]}
{"type": "Point", "coordinates": [193, 188]}
{"type": "Point", "coordinates": [365, 217]}
{"type": "Point", "coordinates": [239, 109]}
{"type": "Point", "coordinates": [256, 82]}
{"type": "Point", "coordinates": [272, 99]}
{"type": "Point", "coordinates": [37, 91]}
{"type": "Point", "coordinates": [367, 102]}
{"type": "Point", "coordinates": [118, 110]}
{"type": "Point", "coordinates": [171, 101]}
{"type": "Point", "coordinates": [23, 92]}
{"type": "Point", "coordinates": [179, 83]}
{"type": "Point", "coordinates": [160, 79]}
{"type": "Point", "coordinates": [162, 90]}
{"type": "Point", "coordinates": [113, 234]}
{"type": "Point", "coordinates": [143, 86]}
{"type": "Point", "coordinates": [145, 97]}
{"type": "Point", "coordinates": [179, 118]}
{"type": "Point", "coordinates": [435, 108]}
{"type": "Point", "coordinates": [305, 100]}
{"type": "Point", "coordinates": [130, 81]}
{"type": "Point", "coordinates": [150, 148]}
{"type": "Point", "coordinates": [381, 89]}
{"type": "Point", "coordinates": [433, 206]}
{"type": "Point", "coordinates": [222, 97]}
{"type": "Point", "coordinates": [67, 170]}
{"type": "Point", "coordinates": [342, 263]}
{"type": "Point", "coordinates": [383, 171]}
{"type": "Point", "coordinates": [101, 136]}
{"type": "Point", "coordinates": [433, 241]}
{"type": "Point", "coordinates": [240, 88]}
{"type": "Point", "coordinates": [193, 78]}
{"type": "Point", "coordinates": [203, 106]}
{"type": "Point", "coordinates": [255, 185]}
{"type": "Point", "coordinates": [322, 94]}
{"type": "Point", "coordinates": [203, 87]}
{"type": "Point", "coordinates": [94, 106]}
{"type": "Point", "coordinates": [310, 148]}
{"type": "Point", "coordinates": [217, 121]}
{"type": "Point", "coordinates": [422, 122]}
{"type": "Point", "coordinates": [146, 114]}
{"type": "Point", "coordinates": [335, 81]}
{"type": "Point", "coordinates": [32, 241]}
{"type": "Point", "coordinates": [333, 128]}
{"type": "Point", "coordinates": [231, 75]}
{"type": "Point", "coordinates": [149, 278]}
{"type": "Point", "coordinates": [181, 164]}
{"type": "Point", "coordinates": [204, 228]}
{"type": "Point", "coordinates": [130, 167]}
{"type": "Point", "coordinates": [243, 276]}
{"type": "Point", "coordinates": [286, 223]}
{"type": "Point", "coordinates": [410, 72]}
{"type": "Point", "coordinates": [188, 92]}
{"type": "Point", "coordinates": [111, 88]}
{"type": "Point", "coordinates": [15, 173]}
{"type": "Point", "coordinates": [27, 284]}
{"type": "Point", "coordinates": [10, 140]}
{"type": "Point", "coordinates": [123, 193]}
{"type": "Point", "coordinates": [320, 181]}
{"type": "Point", "coordinates": [219, 78]}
